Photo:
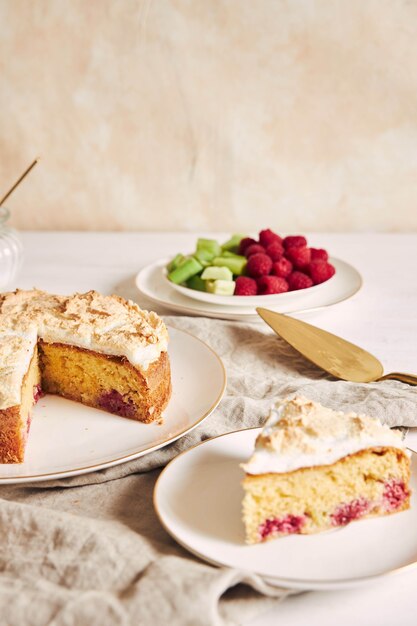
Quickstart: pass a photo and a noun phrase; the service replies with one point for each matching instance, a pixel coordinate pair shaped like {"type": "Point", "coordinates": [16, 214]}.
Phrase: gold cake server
{"type": "Point", "coordinates": [333, 354]}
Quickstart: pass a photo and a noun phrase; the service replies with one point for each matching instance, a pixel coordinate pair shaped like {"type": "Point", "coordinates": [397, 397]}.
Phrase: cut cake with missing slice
{"type": "Point", "coordinates": [315, 469]}
{"type": "Point", "coordinates": [102, 351]}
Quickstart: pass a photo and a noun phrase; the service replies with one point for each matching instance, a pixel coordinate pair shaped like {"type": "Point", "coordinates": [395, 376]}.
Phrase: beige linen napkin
{"type": "Point", "coordinates": [90, 550]}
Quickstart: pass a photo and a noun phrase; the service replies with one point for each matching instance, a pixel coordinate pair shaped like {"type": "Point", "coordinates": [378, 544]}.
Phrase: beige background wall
{"type": "Point", "coordinates": [210, 114]}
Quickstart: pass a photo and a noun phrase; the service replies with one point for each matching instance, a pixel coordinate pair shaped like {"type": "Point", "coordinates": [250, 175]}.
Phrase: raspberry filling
{"type": "Point", "coordinates": [350, 511]}
{"type": "Point", "coordinates": [113, 402]}
{"type": "Point", "coordinates": [287, 525]}
{"type": "Point", "coordinates": [37, 393]}
{"type": "Point", "coordinates": [395, 493]}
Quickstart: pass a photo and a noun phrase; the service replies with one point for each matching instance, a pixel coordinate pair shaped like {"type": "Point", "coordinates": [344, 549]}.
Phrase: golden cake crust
{"type": "Point", "coordinates": [11, 443]}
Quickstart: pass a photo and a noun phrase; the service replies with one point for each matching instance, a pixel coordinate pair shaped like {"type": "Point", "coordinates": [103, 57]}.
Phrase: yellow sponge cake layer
{"type": "Point", "coordinates": [310, 500]}
{"type": "Point", "coordinates": [105, 382]}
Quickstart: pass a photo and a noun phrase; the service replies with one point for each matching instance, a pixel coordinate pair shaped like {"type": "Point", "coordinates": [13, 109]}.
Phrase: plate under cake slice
{"type": "Point", "coordinates": [315, 469]}
{"type": "Point", "coordinates": [102, 351]}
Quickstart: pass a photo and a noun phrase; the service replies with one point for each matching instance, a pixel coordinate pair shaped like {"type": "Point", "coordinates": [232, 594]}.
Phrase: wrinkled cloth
{"type": "Point", "coordinates": [89, 550]}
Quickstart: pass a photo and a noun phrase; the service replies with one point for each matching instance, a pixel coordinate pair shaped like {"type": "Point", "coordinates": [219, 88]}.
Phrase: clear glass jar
{"type": "Point", "coordinates": [11, 251]}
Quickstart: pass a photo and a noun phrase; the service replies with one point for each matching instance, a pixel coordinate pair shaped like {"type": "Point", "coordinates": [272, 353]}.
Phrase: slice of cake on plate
{"type": "Point", "coordinates": [315, 469]}
{"type": "Point", "coordinates": [102, 351]}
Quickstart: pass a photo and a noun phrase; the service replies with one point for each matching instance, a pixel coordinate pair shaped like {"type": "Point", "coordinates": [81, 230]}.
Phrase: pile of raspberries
{"type": "Point", "coordinates": [277, 265]}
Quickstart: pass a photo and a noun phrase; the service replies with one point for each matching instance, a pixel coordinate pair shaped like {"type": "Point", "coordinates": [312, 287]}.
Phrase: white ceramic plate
{"type": "Point", "coordinates": [284, 299]}
{"type": "Point", "coordinates": [151, 282]}
{"type": "Point", "coordinates": [198, 500]}
{"type": "Point", "coordinates": [67, 438]}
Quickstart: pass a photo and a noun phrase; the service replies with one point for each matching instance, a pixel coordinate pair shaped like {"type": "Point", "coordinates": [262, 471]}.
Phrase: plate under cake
{"type": "Point", "coordinates": [315, 469]}
{"type": "Point", "coordinates": [102, 351]}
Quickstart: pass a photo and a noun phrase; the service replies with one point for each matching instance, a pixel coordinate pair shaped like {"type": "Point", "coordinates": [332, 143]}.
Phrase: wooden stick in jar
{"type": "Point", "coordinates": [19, 180]}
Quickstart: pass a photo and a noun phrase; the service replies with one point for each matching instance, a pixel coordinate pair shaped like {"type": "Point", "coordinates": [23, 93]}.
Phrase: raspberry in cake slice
{"type": "Point", "coordinates": [315, 469]}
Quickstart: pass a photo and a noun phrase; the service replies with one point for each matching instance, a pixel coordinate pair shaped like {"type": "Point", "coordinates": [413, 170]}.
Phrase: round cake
{"type": "Point", "coordinates": [102, 351]}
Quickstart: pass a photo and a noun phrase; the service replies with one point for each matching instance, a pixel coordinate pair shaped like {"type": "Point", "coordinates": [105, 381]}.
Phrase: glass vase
{"type": "Point", "coordinates": [11, 251]}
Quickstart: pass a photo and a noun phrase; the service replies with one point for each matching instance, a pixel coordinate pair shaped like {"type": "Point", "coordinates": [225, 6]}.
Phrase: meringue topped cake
{"type": "Point", "coordinates": [102, 351]}
{"type": "Point", "coordinates": [314, 469]}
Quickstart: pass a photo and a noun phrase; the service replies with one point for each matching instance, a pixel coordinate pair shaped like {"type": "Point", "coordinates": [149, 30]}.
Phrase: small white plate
{"type": "Point", "coordinates": [198, 500]}
{"type": "Point", "coordinates": [67, 438]}
{"type": "Point", "coordinates": [151, 282]}
{"type": "Point", "coordinates": [284, 299]}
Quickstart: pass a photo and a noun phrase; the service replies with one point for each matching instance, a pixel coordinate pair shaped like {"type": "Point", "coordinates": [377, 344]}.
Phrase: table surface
{"type": "Point", "coordinates": [381, 318]}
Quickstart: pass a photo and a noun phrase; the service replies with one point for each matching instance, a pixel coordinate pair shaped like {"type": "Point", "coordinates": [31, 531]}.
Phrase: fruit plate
{"type": "Point", "coordinates": [206, 520]}
{"type": "Point", "coordinates": [68, 439]}
{"type": "Point", "coordinates": [152, 283]}
{"type": "Point", "coordinates": [286, 299]}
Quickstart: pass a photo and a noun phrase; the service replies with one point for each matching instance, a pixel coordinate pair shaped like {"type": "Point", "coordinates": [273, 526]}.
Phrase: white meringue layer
{"type": "Point", "coordinates": [300, 433]}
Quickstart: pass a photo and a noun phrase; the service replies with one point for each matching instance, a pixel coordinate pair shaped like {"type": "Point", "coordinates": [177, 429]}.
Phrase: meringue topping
{"type": "Point", "coordinates": [106, 324]}
{"type": "Point", "coordinates": [301, 433]}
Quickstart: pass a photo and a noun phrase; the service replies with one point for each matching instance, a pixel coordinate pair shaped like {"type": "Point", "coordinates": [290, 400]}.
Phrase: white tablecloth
{"type": "Point", "coordinates": [380, 318]}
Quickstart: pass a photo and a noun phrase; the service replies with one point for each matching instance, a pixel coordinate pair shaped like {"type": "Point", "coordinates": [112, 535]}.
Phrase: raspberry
{"type": "Point", "coordinates": [318, 254]}
{"type": "Point", "coordinates": [299, 280]}
{"type": "Point", "coordinates": [299, 257]}
{"type": "Point", "coordinates": [294, 241]}
{"type": "Point", "coordinates": [350, 511]}
{"type": "Point", "coordinates": [395, 493]}
{"type": "Point", "coordinates": [320, 271]}
{"type": "Point", "coordinates": [267, 236]}
{"type": "Point", "coordinates": [258, 265]}
{"type": "Point", "coordinates": [245, 243]}
{"type": "Point", "coordinates": [271, 284]}
{"type": "Point", "coordinates": [37, 393]}
{"type": "Point", "coordinates": [275, 251]}
{"type": "Point", "coordinates": [254, 248]}
{"type": "Point", "coordinates": [246, 286]}
{"type": "Point", "coordinates": [113, 402]}
{"type": "Point", "coordinates": [287, 525]}
{"type": "Point", "coordinates": [282, 268]}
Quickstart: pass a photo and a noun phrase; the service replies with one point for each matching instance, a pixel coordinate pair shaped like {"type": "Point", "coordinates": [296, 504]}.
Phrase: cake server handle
{"type": "Point", "coordinates": [409, 379]}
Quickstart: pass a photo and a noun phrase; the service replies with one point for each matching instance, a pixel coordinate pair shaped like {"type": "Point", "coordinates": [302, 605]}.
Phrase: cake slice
{"type": "Point", "coordinates": [314, 469]}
